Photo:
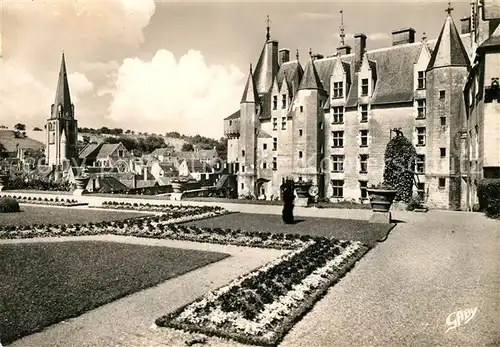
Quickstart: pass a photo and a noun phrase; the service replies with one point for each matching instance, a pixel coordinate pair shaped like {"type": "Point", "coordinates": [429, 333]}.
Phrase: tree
{"type": "Point", "coordinates": [20, 127]}
{"type": "Point", "coordinates": [3, 151]}
{"type": "Point", "coordinates": [37, 129]}
{"type": "Point", "coordinates": [187, 147]}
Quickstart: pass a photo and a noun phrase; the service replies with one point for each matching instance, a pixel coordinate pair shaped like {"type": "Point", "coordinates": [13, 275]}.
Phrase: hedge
{"type": "Point", "coordinates": [488, 194]}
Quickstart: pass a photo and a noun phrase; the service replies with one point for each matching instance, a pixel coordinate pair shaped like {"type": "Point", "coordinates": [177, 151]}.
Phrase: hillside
{"type": "Point", "coordinates": [170, 141]}
{"type": "Point", "coordinates": [9, 140]}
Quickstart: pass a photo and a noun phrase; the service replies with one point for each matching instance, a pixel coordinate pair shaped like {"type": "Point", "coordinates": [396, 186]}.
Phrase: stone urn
{"type": "Point", "coordinates": [381, 199]}
{"type": "Point", "coordinates": [4, 182]}
{"type": "Point", "coordinates": [178, 186]}
{"type": "Point", "coordinates": [81, 185]}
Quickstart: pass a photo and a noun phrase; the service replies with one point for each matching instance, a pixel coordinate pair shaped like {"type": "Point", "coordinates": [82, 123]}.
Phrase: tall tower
{"type": "Point", "coordinates": [62, 133]}
{"type": "Point", "coordinates": [446, 75]}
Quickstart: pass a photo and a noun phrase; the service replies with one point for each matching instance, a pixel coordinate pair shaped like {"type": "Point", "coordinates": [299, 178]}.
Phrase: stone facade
{"type": "Point", "coordinates": [330, 121]}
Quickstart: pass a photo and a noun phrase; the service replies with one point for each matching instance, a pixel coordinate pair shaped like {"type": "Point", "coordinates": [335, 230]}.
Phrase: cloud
{"type": "Point", "coordinates": [164, 94]}
{"type": "Point", "coordinates": [378, 36]}
{"type": "Point", "coordinates": [79, 84]}
{"type": "Point", "coordinates": [315, 16]}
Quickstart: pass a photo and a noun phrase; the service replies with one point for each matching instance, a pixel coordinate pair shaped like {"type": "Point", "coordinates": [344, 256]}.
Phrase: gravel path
{"type": "Point", "coordinates": [126, 322]}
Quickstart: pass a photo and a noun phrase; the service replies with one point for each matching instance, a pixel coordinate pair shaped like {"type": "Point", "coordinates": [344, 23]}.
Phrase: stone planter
{"type": "Point", "coordinates": [178, 187]}
{"type": "Point", "coordinates": [381, 199]}
{"type": "Point", "coordinates": [303, 190]}
{"type": "Point", "coordinates": [81, 185]}
{"type": "Point", "coordinates": [4, 182]}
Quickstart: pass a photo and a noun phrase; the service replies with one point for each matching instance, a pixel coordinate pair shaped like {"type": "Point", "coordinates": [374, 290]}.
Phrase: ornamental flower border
{"type": "Point", "coordinates": [38, 200]}
{"type": "Point", "coordinates": [160, 208]}
{"type": "Point", "coordinates": [206, 314]}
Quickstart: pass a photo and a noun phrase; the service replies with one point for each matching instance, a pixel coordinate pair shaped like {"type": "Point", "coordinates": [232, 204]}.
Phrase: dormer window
{"type": "Point", "coordinates": [338, 90]}
{"type": "Point", "coordinates": [421, 80]}
{"type": "Point", "coordinates": [364, 87]}
{"type": "Point", "coordinates": [283, 101]}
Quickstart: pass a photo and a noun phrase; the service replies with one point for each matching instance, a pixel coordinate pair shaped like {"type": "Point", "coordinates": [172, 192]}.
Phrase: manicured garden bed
{"type": "Point", "coordinates": [38, 200]}
{"type": "Point", "coordinates": [260, 308]}
{"type": "Point", "coordinates": [346, 229]}
{"type": "Point", "coordinates": [44, 283]}
{"type": "Point", "coordinates": [31, 215]}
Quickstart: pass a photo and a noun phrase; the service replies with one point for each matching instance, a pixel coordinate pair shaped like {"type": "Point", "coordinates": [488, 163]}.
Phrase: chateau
{"type": "Point", "coordinates": [329, 121]}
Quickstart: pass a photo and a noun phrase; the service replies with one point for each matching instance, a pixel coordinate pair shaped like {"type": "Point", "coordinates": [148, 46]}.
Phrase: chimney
{"type": "Point", "coordinates": [466, 25]}
{"type": "Point", "coordinates": [344, 50]}
{"type": "Point", "coordinates": [402, 36]}
{"type": "Point", "coordinates": [284, 55]}
{"type": "Point", "coordinates": [359, 50]}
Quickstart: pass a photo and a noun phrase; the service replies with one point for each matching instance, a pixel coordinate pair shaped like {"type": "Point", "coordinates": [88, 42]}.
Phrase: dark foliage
{"type": "Point", "coordinates": [8, 205]}
{"type": "Point", "coordinates": [399, 158]}
{"type": "Point", "coordinates": [18, 183]}
{"type": "Point", "coordinates": [488, 194]}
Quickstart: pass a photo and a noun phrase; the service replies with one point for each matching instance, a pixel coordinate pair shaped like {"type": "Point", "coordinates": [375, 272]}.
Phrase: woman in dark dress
{"type": "Point", "coordinates": [288, 197]}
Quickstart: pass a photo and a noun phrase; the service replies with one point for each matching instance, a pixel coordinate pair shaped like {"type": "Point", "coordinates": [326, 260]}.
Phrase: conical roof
{"type": "Point", "coordinates": [250, 92]}
{"type": "Point", "coordinates": [310, 79]}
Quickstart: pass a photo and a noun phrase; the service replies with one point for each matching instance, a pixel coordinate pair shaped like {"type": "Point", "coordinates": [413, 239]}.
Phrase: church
{"type": "Point", "coordinates": [328, 121]}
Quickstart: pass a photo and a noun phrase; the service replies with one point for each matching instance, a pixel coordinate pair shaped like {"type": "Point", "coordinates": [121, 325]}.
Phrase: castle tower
{"type": "Point", "coordinates": [249, 127]}
{"type": "Point", "coordinates": [308, 127]}
{"type": "Point", "coordinates": [62, 133]}
{"type": "Point", "coordinates": [445, 76]}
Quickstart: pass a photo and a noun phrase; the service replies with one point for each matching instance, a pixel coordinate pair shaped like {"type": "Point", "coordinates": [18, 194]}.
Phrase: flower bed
{"type": "Point", "coordinates": [46, 201]}
{"type": "Point", "coordinates": [260, 307]}
{"type": "Point", "coordinates": [165, 208]}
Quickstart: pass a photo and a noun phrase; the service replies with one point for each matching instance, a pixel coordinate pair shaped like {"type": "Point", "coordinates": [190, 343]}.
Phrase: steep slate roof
{"type": "Point", "coordinates": [449, 49]}
{"type": "Point", "coordinates": [63, 97]}
{"type": "Point", "coordinates": [288, 72]}
{"type": "Point", "coordinates": [394, 69]}
{"type": "Point", "coordinates": [311, 79]}
{"type": "Point", "coordinates": [90, 150]}
{"type": "Point", "coordinates": [167, 167]}
{"type": "Point", "coordinates": [263, 135]}
{"type": "Point", "coordinates": [250, 92]}
{"type": "Point", "coordinates": [107, 149]}
{"type": "Point", "coordinates": [196, 166]}
{"type": "Point", "coordinates": [235, 115]}
{"type": "Point", "coordinates": [265, 101]}
{"type": "Point", "coordinates": [108, 184]}
{"type": "Point", "coordinates": [264, 76]}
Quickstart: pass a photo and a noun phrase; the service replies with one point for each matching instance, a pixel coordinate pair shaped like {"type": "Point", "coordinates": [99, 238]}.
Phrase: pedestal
{"type": "Point", "coordinates": [80, 192]}
{"type": "Point", "coordinates": [302, 202]}
{"type": "Point", "coordinates": [381, 217]}
{"type": "Point", "coordinates": [176, 196]}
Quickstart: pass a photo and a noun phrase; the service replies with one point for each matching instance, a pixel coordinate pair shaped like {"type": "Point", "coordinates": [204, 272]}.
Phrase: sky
{"type": "Point", "coordinates": [156, 67]}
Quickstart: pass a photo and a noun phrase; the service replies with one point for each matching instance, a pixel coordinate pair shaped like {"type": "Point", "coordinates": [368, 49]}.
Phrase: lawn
{"type": "Point", "coordinates": [343, 229]}
{"type": "Point", "coordinates": [347, 205]}
{"type": "Point", "coordinates": [62, 215]}
{"type": "Point", "coordinates": [45, 283]}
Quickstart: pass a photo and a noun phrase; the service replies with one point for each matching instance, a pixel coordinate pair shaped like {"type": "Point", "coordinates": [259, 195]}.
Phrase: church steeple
{"type": "Point", "coordinates": [449, 49]}
{"type": "Point", "coordinates": [62, 103]}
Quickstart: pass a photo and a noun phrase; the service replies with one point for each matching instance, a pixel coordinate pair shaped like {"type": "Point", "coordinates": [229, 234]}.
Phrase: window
{"type": "Point", "coordinates": [243, 186]}
{"type": "Point", "coordinates": [421, 110]}
{"type": "Point", "coordinates": [338, 188]}
{"type": "Point", "coordinates": [421, 80]}
{"type": "Point", "coordinates": [230, 122]}
{"type": "Point", "coordinates": [300, 132]}
{"type": "Point", "coordinates": [338, 115]}
{"type": "Point", "coordinates": [242, 168]}
{"type": "Point", "coordinates": [264, 165]}
{"type": "Point", "coordinates": [283, 101]}
{"type": "Point", "coordinates": [364, 86]}
{"type": "Point", "coordinates": [421, 189]}
{"type": "Point", "coordinates": [283, 123]}
{"type": "Point", "coordinates": [264, 146]}
{"type": "Point", "coordinates": [443, 121]}
{"type": "Point", "coordinates": [337, 163]}
{"type": "Point", "coordinates": [275, 163]}
{"type": "Point", "coordinates": [338, 139]}
{"type": "Point", "coordinates": [421, 136]}
{"type": "Point", "coordinates": [275, 144]}
{"type": "Point", "coordinates": [442, 94]}
{"type": "Point", "coordinates": [362, 187]}
{"type": "Point", "coordinates": [420, 164]}
{"type": "Point", "coordinates": [275, 123]}
{"type": "Point", "coordinates": [364, 113]}
{"type": "Point", "coordinates": [442, 182]}
{"type": "Point", "coordinates": [363, 161]}
{"type": "Point", "coordinates": [364, 138]}
{"type": "Point", "coordinates": [301, 108]}
{"type": "Point", "coordinates": [243, 153]}
{"type": "Point", "coordinates": [275, 102]}
{"type": "Point", "coordinates": [120, 153]}
{"type": "Point", "coordinates": [442, 152]}
{"type": "Point", "coordinates": [338, 90]}
{"type": "Point", "coordinates": [300, 154]}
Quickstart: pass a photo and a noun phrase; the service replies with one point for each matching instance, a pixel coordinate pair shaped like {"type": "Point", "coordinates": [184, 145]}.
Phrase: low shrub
{"type": "Point", "coordinates": [488, 194]}
{"type": "Point", "coordinates": [8, 205]}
